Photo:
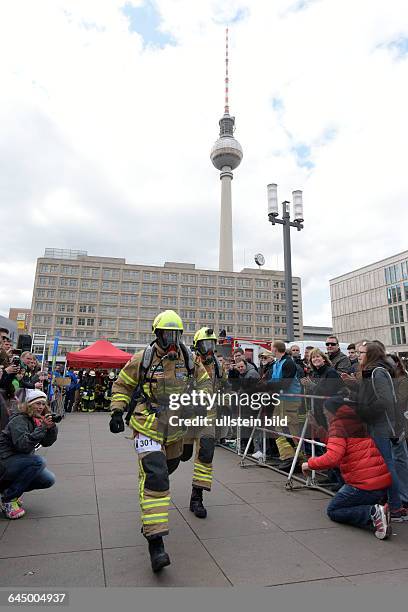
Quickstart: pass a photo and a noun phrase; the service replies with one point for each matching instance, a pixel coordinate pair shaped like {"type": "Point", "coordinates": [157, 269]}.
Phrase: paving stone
{"type": "Point", "coordinates": [72, 469]}
{"type": "Point", "coordinates": [73, 495]}
{"type": "Point", "coordinates": [27, 537]}
{"type": "Point", "coordinates": [311, 586]}
{"type": "Point", "coordinates": [120, 529]}
{"type": "Point", "coordinates": [191, 566]}
{"type": "Point", "coordinates": [108, 468]}
{"type": "Point", "coordinates": [352, 551]}
{"type": "Point", "coordinates": [293, 517]}
{"type": "Point", "coordinates": [266, 559]}
{"type": "Point", "coordinates": [226, 521]}
{"type": "Point", "coordinates": [396, 577]}
{"type": "Point", "coordinates": [219, 495]}
{"type": "Point", "coordinates": [79, 569]}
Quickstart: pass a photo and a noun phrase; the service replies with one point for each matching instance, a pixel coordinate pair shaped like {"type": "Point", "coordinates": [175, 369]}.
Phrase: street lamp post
{"type": "Point", "coordinates": [273, 213]}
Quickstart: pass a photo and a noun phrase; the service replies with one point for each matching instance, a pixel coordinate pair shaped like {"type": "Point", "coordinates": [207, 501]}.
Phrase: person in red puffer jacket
{"type": "Point", "coordinates": [363, 469]}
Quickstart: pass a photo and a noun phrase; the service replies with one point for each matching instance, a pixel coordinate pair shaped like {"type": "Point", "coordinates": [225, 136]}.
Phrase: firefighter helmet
{"type": "Point", "coordinates": [205, 341]}
{"type": "Point", "coordinates": [168, 328]}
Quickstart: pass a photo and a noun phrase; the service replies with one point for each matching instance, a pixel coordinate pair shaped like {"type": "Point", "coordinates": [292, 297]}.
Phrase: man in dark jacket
{"type": "Point", "coordinates": [339, 360]}
{"type": "Point", "coordinates": [285, 379]}
{"type": "Point", "coordinates": [23, 469]}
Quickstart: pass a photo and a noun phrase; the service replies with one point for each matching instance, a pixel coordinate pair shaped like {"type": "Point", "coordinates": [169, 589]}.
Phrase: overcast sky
{"type": "Point", "coordinates": [109, 109]}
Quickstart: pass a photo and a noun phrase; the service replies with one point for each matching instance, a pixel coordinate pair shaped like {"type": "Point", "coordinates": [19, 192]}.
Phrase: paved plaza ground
{"type": "Point", "coordinates": [85, 531]}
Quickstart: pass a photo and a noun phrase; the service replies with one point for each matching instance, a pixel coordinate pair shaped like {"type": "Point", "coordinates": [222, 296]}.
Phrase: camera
{"type": "Point", "coordinates": [15, 360]}
{"type": "Point", "coordinates": [55, 418]}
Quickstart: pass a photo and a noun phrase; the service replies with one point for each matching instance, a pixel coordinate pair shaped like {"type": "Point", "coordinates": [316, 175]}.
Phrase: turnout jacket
{"type": "Point", "coordinates": [154, 408]}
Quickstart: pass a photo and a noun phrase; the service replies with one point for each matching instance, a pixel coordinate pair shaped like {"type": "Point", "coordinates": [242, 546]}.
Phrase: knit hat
{"type": "Point", "coordinates": [32, 395]}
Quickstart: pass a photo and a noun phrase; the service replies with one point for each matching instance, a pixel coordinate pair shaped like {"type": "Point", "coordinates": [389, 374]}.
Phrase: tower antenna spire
{"type": "Point", "coordinates": [226, 103]}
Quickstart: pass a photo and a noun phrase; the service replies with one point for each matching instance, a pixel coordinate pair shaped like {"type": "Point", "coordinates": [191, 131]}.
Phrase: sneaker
{"type": "Point", "coordinates": [400, 515]}
{"type": "Point", "coordinates": [380, 520]}
{"type": "Point", "coordinates": [257, 455]}
{"type": "Point", "coordinates": [12, 510]}
{"type": "Point", "coordinates": [19, 500]}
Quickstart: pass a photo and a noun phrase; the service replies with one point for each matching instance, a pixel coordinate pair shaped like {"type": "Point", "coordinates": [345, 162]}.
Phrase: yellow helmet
{"type": "Point", "coordinates": [168, 319]}
{"type": "Point", "coordinates": [168, 328]}
{"type": "Point", "coordinates": [205, 341]}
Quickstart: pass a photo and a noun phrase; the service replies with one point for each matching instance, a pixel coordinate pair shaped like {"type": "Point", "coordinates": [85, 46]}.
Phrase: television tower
{"type": "Point", "coordinates": [226, 155]}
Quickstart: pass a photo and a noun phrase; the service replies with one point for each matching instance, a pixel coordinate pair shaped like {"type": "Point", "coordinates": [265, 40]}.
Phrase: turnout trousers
{"type": "Point", "coordinates": [203, 438]}
{"type": "Point", "coordinates": [156, 463]}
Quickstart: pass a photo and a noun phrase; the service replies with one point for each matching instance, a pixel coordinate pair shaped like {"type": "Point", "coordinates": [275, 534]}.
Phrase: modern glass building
{"type": "Point", "coordinates": [372, 303]}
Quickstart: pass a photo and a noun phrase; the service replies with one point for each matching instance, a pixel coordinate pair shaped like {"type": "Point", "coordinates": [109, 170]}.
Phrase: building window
{"type": "Point", "coordinates": [223, 293]}
{"type": "Point", "coordinates": [150, 276]}
{"type": "Point", "coordinates": [398, 335]}
{"type": "Point", "coordinates": [227, 280]}
{"type": "Point", "coordinates": [261, 283]}
{"type": "Point", "coordinates": [149, 300]}
{"type": "Point", "coordinates": [129, 275]}
{"type": "Point", "coordinates": [90, 308]}
{"type": "Point", "coordinates": [110, 274]}
{"type": "Point", "coordinates": [48, 268]}
{"type": "Point", "coordinates": [91, 272]}
{"type": "Point", "coordinates": [110, 285]}
{"type": "Point", "coordinates": [106, 298]}
{"type": "Point", "coordinates": [189, 278]}
{"type": "Point", "coordinates": [91, 296]}
{"type": "Point", "coordinates": [169, 289]}
{"type": "Point", "coordinates": [107, 323]}
{"type": "Point", "coordinates": [130, 299]}
{"type": "Point", "coordinates": [90, 322]}
{"type": "Point", "coordinates": [70, 270]}
{"type": "Point", "coordinates": [186, 290]}
{"type": "Point", "coordinates": [244, 329]}
{"type": "Point", "coordinates": [244, 293]}
{"type": "Point", "coordinates": [169, 276]}
{"type": "Point", "coordinates": [169, 301]}
{"type": "Point", "coordinates": [207, 291]}
{"type": "Point", "coordinates": [81, 321]}
{"type": "Point", "coordinates": [244, 282]}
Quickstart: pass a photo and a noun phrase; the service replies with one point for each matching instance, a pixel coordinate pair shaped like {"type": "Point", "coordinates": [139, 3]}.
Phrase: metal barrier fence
{"type": "Point", "coordinates": [310, 482]}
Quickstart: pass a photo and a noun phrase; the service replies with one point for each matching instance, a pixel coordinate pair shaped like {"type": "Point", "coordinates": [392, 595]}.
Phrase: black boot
{"type": "Point", "coordinates": [158, 556]}
{"type": "Point", "coordinates": [196, 503]}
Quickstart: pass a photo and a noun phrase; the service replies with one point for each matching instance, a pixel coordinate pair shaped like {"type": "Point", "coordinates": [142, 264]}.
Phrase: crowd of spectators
{"type": "Point", "coordinates": [359, 412]}
{"type": "Point", "coordinates": [26, 423]}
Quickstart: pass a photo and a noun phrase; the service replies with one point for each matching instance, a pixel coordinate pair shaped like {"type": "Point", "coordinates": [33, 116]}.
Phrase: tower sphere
{"type": "Point", "coordinates": [226, 151]}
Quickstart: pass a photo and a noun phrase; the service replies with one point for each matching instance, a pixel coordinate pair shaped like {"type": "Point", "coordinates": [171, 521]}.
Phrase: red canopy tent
{"type": "Point", "coordinates": [100, 354]}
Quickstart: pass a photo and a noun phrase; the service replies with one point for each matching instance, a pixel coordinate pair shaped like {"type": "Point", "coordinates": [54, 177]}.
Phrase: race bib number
{"type": "Point", "coordinates": [143, 444]}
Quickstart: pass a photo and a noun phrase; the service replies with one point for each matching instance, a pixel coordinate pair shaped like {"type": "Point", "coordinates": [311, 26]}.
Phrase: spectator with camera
{"type": "Point", "coordinates": [23, 470]}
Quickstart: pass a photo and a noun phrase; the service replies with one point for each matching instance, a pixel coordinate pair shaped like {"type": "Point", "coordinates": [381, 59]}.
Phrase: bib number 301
{"type": "Point", "coordinates": [143, 444]}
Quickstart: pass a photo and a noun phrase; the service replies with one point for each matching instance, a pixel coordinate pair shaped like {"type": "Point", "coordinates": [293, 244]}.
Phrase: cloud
{"type": "Point", "coordinates": [105, 132]}
{"type": "Point", "coordinates": [145, 20]}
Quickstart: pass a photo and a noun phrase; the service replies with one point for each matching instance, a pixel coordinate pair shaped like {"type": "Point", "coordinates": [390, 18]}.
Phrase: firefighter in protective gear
{"type": "Point", "coordinates": [203, 437]}
{"type": "Point", "coordinates": [110, 379]}
{"type": "Point", "coordinates": [88, 392]}
{"type": "Point", "coordinates": [144, 387]}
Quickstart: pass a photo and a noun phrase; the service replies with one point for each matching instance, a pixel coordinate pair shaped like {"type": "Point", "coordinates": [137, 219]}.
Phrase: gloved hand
{"type": "Point", "coordinates": [116, 424]}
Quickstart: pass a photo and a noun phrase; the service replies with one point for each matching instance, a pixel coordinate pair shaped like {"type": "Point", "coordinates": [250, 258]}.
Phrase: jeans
{"type": "Point", "coordinates": [353, 506]}
{"type": "Point", "coordinates": [26, 473]}
{"type": "Point", "coordinates": [384, 445]}
{"type": "Point", "coordinates": [400, 456]}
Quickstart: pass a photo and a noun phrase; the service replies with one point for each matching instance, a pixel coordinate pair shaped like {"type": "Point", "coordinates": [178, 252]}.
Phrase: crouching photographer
{"type": "Point", "coordinates": [21, 469]}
